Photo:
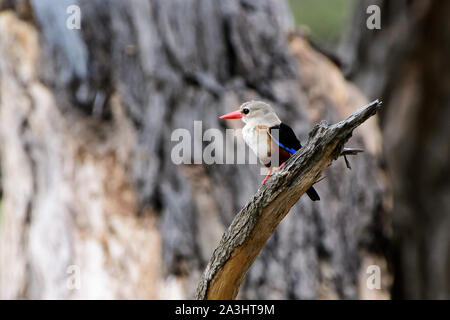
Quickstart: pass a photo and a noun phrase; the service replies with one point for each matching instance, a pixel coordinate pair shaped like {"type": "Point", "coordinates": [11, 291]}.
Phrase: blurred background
{"type": "Point", "coordinates": [92, 206]}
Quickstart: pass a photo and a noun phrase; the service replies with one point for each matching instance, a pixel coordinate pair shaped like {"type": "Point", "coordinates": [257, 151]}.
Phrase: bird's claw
{"type": "Point", "coordinates": [267, 177]}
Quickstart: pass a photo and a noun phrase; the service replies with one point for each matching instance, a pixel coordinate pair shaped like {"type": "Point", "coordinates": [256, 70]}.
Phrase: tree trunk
{"type": "Point", "coordinates": [86, 118]}
{"type": "Point", "coordinates": [406, 65]}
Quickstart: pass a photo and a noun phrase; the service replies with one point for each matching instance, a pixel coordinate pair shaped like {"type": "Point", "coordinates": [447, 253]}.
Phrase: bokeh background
{"type": "Point", "coordinates": [91, 205]}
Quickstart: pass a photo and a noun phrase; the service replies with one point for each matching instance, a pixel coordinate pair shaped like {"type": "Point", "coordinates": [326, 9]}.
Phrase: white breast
{"type": "Point", "coordinates": [257, 140]}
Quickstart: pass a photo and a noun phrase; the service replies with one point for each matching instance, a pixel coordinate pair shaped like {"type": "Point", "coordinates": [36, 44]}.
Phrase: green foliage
{"type": "Point", "coordinates": [326, 19]}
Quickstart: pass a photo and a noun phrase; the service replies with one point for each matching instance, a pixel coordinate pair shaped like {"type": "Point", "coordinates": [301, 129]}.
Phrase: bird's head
{"type": "Point", "coordinates": [255, 112]}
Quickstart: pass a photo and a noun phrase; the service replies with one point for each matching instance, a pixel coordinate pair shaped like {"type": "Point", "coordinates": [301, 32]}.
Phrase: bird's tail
{"type": "Point", "coordinates": [312, 194]}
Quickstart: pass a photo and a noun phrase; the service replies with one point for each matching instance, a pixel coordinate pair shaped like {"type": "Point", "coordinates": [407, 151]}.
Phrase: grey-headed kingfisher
{"type": "Point", "coordinates": [261, 122]}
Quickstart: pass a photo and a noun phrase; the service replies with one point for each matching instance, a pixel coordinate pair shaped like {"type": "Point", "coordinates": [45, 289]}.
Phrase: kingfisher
{"type": "Point", "coordinates": [259, 133]}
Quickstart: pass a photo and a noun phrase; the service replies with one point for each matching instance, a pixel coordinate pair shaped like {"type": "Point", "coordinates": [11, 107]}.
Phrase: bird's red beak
{"type": "Point", "coordinates": [233, 115]}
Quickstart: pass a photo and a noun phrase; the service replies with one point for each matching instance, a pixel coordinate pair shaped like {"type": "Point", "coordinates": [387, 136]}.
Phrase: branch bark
{"type": "Point", "coordinates": [255, 223]}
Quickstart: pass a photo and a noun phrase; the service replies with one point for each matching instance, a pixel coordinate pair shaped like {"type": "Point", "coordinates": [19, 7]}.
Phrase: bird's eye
{"type": "Point", "coordinates": [245, 110]}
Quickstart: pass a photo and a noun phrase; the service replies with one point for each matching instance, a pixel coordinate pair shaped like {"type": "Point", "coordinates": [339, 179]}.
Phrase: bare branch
{"type": "Point", "coordinates": [255, 223]}
{"type": "Point", "coordinates": [351, 151]}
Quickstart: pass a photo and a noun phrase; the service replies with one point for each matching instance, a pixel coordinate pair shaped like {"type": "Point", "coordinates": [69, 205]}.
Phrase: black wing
{"type": "Point", "coordinates": [288, 140]}
{"type": "Point", "coordinates": [286, 137]}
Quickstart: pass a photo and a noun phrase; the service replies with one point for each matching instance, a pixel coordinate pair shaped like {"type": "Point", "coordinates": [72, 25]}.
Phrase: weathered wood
{"type": "Point", "coordinates": [256, 222]}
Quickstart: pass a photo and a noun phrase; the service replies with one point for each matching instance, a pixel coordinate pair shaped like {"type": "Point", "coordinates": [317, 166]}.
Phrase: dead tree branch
{"type": "Point", "coordinates": [255, 223]}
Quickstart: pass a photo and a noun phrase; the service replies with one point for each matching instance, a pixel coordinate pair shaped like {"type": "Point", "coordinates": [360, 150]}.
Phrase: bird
{"type": "Point", "coordinates": [261, 121]}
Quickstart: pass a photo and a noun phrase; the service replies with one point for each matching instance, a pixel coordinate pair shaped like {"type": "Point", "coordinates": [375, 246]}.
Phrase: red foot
{"type": "Point", "coordinates": [282, 165]}
{"type": "Point", "coordinates": [267, 177]}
